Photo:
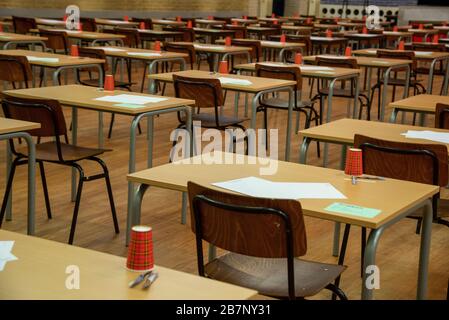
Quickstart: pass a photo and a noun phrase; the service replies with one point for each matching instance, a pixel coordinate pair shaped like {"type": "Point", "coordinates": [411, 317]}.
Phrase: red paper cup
{"type": "Point", "coordinates": [109, 82]}
{"type": "Point", "coordinates": [401, 45]}
{"type": "Point", "coordinates": [210, 18]}
{"type": "Point", "coordinates": [140, 250]}
{"type": "Point", "coordinates": [234, 23]}
{"type": "Point", "coordinates": [329, 33]}
{"type": "Point", "coordinates": [283, 38]}
{"type": "Point", "coordinates": [309, 21]}
{"type": "Point", "coordinates": [64, 18]}
{"type": "Point", "coordinates": [228, 41]}
{"type": "Point", "coordinates": [142, 25]}
{"type": "Point", "coordinates": [298, 58]}
{"type": "Point", "coordinates": [245, 17]}
{"type": "Point", "coordinates": [80, 26]}
{"type": "Point", "coordinates": [1, 28]}
{"type": "Point", "coordinates": [421, 26]}
{"type": "Point", "coordinates": [395, 29]}
{"type": "Point", "coordinates": [74, 50]}
{"type": "Point", "coordinates": [157, 45]}
{"type": "Point", "coordinates": [276, 22]}
{"type": "Point", "coordinates": [365, 30]}
{"type": "Point", "coordinates": [348, 52]}
{"type": "Point", "coordinates": [273, 15]}
{"type": "Point", "coordinates": [435, 39]}
{"type": "Point", "coordinates": [126, 18]}
{"type": "Point", "coordinates": [354, 162]}
{"type": "Point", "coordinates": [189, 24]}
{"type": "Point", "coordinates": [223, 67]}
{"type": "Point", "coordinates": [178, 19]}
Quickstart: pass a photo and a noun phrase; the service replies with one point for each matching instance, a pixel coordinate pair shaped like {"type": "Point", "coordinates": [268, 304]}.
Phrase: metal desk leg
{"type": "Point", "coordinates": [150, 138]}
{"type": "Point", "coordinates": [184, 208]}
{"type": "Point", "coordinates": [431, 71]}
{"type": "Point", "coordinates": [394, 115]}
{"type": "Point", "coordinates": [369, 259]}
{"type": "Point", "coordinates": [328, 118]}
{"type": "Point", "coordinates": [424, 252]}
{"type": "Point", "coordinates": [212, 252]}
{"type": "Point", "coordinates": [31, 181]}
{"type": "Point", "coordinates": [236, 103]}
{"type": "Point", "coordinates": [289, 124]}
{"type": "Point", "coordinates": [356, 98]}
{"type": "Point", "coordinates": [8, 170]}
{"type": "Point", "coordinates": [74, 142]}
{"type": "Point", "coordinates": [133, 216]}
{"type": "Point", "coordinates": [446, 78]}
{"type": "Point", "coordinates": [384, 93]}
{"type": "Point", "coordinates": [303, 150]}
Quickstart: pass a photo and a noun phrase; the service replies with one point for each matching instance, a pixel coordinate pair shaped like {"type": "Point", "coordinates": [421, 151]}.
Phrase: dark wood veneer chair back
{"type": "Point", "coordinates": [246, 225]}
{"type": "Point", "coordinates": [240, 31]}
{"type": "Point", "coordinates": [15, 68]}
{"type": "Point", "coordinates": [95, 54]}
{"type": "Point", "coordinates": [255, 45]}
{"type": "Point", "coordinates": [188, 34]}
{"type": "Point", "coordinates": [349, 63]}
{"type": "Point", "coordinates": [422, 163]}
{"type": "Point", "coordinates": [442, 116]}
{"type": "Point", "coordinates": [23, 25]}
{"type": "Point", "coordinates": [280, 72]}
{"type": "Point", "coordinates": [56, 40]}
{"type": "Point", "coordinates": [182, 48]}
{"type": "Point", "coordinates": [207, 93]}
{"type": "Point", "coordinates": [132, 37]}
{"type": "Point", "coordinates": [401, 55]}
{"type": "Point", "coordinates": [147, 21]}
{"type": "Point", "coordinates": [88, 24]}
{"type": "Point", "coordinates": [433, 47]}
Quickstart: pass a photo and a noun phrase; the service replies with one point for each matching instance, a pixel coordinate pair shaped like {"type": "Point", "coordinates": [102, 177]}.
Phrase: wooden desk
{"type": "Point", "coordinates": [153, 35]}
{"type": "Point", "coordinates": [213, 34]}
{"type": "Point", "coordinates": [63, 62]}
{"type": "Point", "coordinates": [360, 38]}
{"type": "Point", "coordinates": [92, 38]}
{"type": "Point", "coordinates": [219, 52]}
{"type": "Point", "coordinates": [423, 104]}
{"type": "Point", "coordinates": [332, 74]}
{"type": "Point", "coordinates": [397, 36]}
{"type": "Point", "coordinates": [50, 22]}
{"type": "Point", "coordinates": [208, 23]}
{"type": "Point", "coordinates": [432, 57]}
{"type": "Point", "coordinates": [442, 30]}
{"type": "Point", "coordinates": [244, 22]}
{"type": "Point", "coordinates": [423, 33]}
{"type": "Point", "coordinates": [10, 129]}
{"type": "Point", "coordinates": [170, 23]}
{"type": "Point", "coordinates": [8, 39]}
{"type": "Point", "coordinates": [333, 27]}
{"type": "Point", "coordinates": [102, 276]}
{"type": "Point", "coordinates": [77, 96]}
{"type": "Point", "coordinates": [116, 23]}
{"type": "Point", "coordinates": [261, 32]}
{"type": "Point", "coordinates": [327, 43]}
{"type": "Point", "coordinates": [399, 198]}
{"type": "Point", "coordinates": [258, 87]}
{"type": "Point", "coordinates": [388, 65]}
{"type": "Point", "coordinates": [296, 29]}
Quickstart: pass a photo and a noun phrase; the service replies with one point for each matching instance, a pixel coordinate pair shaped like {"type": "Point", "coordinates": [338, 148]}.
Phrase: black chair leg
{"type": "Point", "coordinates": [418, 226]}
{"type": "Point", "coordinates": [7, 190]}
{"type": "Point", "coordinates": [362, 252]}
{"type": "Point", "coordinates": [341, 256]}
{"type": "Point", "coordinates": [44, 186]}
{"type": "Point", "coordinates": [77, 202]}
{"type": "Point", "coordinates": [336, 291]}
{"type": "Point", "coordinates": [111, 124]}
{"type": "Point", "coordinates": [110, 195]}
{"type": "Point", "coordinates": [144, 78]}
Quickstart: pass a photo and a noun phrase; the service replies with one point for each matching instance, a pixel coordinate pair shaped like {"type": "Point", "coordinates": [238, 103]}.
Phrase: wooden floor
{"type": "Point", "coordinates": [174, 243]}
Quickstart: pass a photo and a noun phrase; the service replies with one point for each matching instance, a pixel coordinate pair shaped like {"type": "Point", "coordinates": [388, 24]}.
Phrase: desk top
{"type": "Point", "coordinates": [364, 61]}
{"type": "Point", "coordinates": [260, 29]}
{"type": "Point", "coordinates": [50, 22]}
{"type": "Point", "coordinates": [306, 72]}
{"type": "Point", "coordinates": [210, 22]}
{"type": "Point", "coordinates": [214, 48]}
{"type": "Point", "coordinates": [343, 131]}
{"type": "Point", "coordinates": [7, 36]}
{"type": "Point", "coordinates": [63, 60]}
{"type": "Point", "coordinates": [391, 196]}
{"type": "Point", "coordinates": [165, 22]}
{"type": "Point", "coordinates": [363, 35]}
{"type": "Point", "coordinates": [296, 28]}
{"type": "Point", "coordinates": [419, 55]}
{"type": "Point", "coordinates": [11, 125]}
{"type": "Point", "coordinates": [83, 97]}
{"type": "Point", "coordinates": [40, 273]}
{"type": "Point", "coordinates": [214, 31]}
{"type": "Point", "coordinates": [423, 31]}
{"type": "Point", "coordinates": [160, 32]}
{"type": "Point", "coordinates": [134, 53]}
{"type": "Point", "coordinates": [86, 35]}
{"type": "Point", "coordinates": [397, 33]}
{"type": "Point", "coordinates": [421, 102]}
{"type": "Point", "coordinates": [271, 44]}
{"type": "Point", "coordinates": [115, 23]}
{"type": "Point", "coordinates": [326, 26]}
{"type": "Point", "coordinates": [328, 39]}
{"type": "Point", "coordinates": [257, 84]}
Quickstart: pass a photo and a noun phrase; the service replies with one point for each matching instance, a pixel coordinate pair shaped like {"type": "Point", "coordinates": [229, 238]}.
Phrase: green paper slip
{"type": "Point", "coordinates": [128, 105]}
{"type": "Point", "coordinates": [353, 210]}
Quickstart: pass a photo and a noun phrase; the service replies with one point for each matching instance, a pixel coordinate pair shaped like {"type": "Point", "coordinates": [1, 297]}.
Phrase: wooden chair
{"type": "Point", "coordinates": [88, 24]}
{"type": "Point", "coordinates": [256, 48]}
{"type": "Point", "coordinates": [15, 70]}
{"type": "Point", "coordinates": [49, 114]}
{"type": "Point", "coordinates": [147, 21]}
{"type": "Point", "coordinates": [263, 237]}
{"type": "Point", "coordinates": [344, 91]}
{"type": "Point", "coordinates": [421, 163]}
{"type": "Point", "coordinates": [292, 73]}
{"type": "Point", "coordinates": [23, 25]}
{"type": "Point", "coordinates": [208, 95]}
{"type": "Point", "coordinates": [395, 81]}
{"type": "Point", "coordinates": [57, 41]}
{"type": "Point", "coordinates": [188, 33]}
{"type": "Point", "coordinates": [93, 82]}
{"type": "Point", "coordinates": [240, 31]}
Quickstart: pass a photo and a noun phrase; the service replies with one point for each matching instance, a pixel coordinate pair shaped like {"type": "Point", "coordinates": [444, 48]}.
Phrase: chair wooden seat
{"type": "Point", "coordinates": [342, 93]}
{"type": "Point", "coordinates": [279, 103]}
{"type": "Point", "coordinates": [208, 120]}
{"type": "Point", "coordinates": [401, 82]}
{"type": "Point", "coordinates": [269, 276]}
{"type": "Point", "coordinates": [47, 151]}
{"type": "Point", "coordinates": [117, 84]}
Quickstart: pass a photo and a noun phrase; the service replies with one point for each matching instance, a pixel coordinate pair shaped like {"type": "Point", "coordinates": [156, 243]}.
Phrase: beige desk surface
{"type": "Point", "coordinates": [296, 28]}
{"type": "Point", "coordinates": [327, 39]}
{"type": "Point", "coordinates": [280, 19]}
{"type": "Point", "coordinates": [423, 31]}
{"type": "Point", "coordinates": [40, 273]}
{"type": "Point", "coordinates": [244, 21]}
{"type": "Point", "coordinates": [210, 22]}
{"type": "Point", "coordinates": [49, 22]}
{"type": "Point", "coordinates": [333, 73]}
{"type": "Point", "coordinates": [108, 22]}
{"type": "Point", "coordinates": [363, 35]}
{"type": "Point", "coordinates": [393, 197]}
{"type": "Point", "coordinates": [7, 36]}
{"type": "Point", "coordinates": [215, 48]}
{"type": "Point", "coordinates": [83, 97]}
{"type": "Point", "coordinates": [11, 125]}
{"type": "Point", "coordinates": [350, 24]}
{"type": "Point", "coordinates": [62, 62]}
{"type": "Point", "coordinates": [261, 29]}
{"type": "Point", "coordinates": [86, 35]}
{"type": "Point", "coordinates": [425, 56]}
{"type": "Point", "coordinates": [326, 26]}
{"type": "Point", "coordinates": [343, 131]}
{"type": "Point", "coordinates": [271, 44]}
{"type": "Point", "coordinates": [422, 102]}
{"type": "Point", "coordinates": [397, 34]}
{"type": "Point", "coordinates": [441, 28]}
{"type": "Point", "coordinates": [364, 61]}
{"type": "Point", "coordinates": [160, 32]}
{"type": "Point", "coordinates": [213, 31]}
{"type": "Point", "coordinates": [126, 50]}
{"type": "Point", "coordinates": [257, 84]}
{"type": "Point", "coordinates": [164, 22]}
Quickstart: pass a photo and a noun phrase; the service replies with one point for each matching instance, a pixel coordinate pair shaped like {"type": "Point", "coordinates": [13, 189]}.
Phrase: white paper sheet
{"type": "Point", "coordinates": [144, 54]}
{"type": "Point", "coordinates": [113, 49]}
{"type": "Point", "coordinates": [422, 53]}
{"type": "Point", "coordinates": [131, 99]}
{"type": "Point", "coordinates": [257, 187]}
{"type": "Point", "coordinates": [42, 59]}
{"type": "Point", "coordinates": [73, 31]}
{"type": "Point", "coordinates": [316, 68]}
{"type": "Point", "coordinates": [240, 82]}
{"type": "Point", "coordinates": [371, 51]}
{"type": "Point", "coordinates": [428, 135]}
{"type": "Point", "coordinates": [5, 253]}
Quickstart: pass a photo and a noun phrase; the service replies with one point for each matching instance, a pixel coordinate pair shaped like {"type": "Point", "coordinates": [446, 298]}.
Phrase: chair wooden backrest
{"type": "Point", "coordinates": [422, 163]}
{"type": "Point", "coordinates": [46, 112]}
{"type": "Point", "coordinates": [286, 72]}
{"type": "Point", "coordinates": [400, 55]}
{"type": "Point", "coordinates": [255, 45]}
{"type": "Point", "coordinates": [442, 116]}
{"type": "Point", "coordinates": [265, 228]}
{"type": "Point", "coordinates": [301, 39]}
{"type": "Point", "coordinates": [147, 21]}
{"type": "Point", "coordinates": [56, 40]}
{"type": "Point", "coordinates": [182, 48]}
{"type": "Point", "coordinates": [15, 69]}
{"type": "Point", "coordinates": [240, 31]}
{"type": "Point", "coordinates": [23, 25]}
{"type": "Point", "coordinates": [132, 37]}
{"type": "Point", "coordinates": [95, 54]}
{"type": "Point", "coordinates": [349, 63]}
{"type": "Point", "coordinates": [433, 47]}
{"type": "Point", "coordinates": [88, 24]}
